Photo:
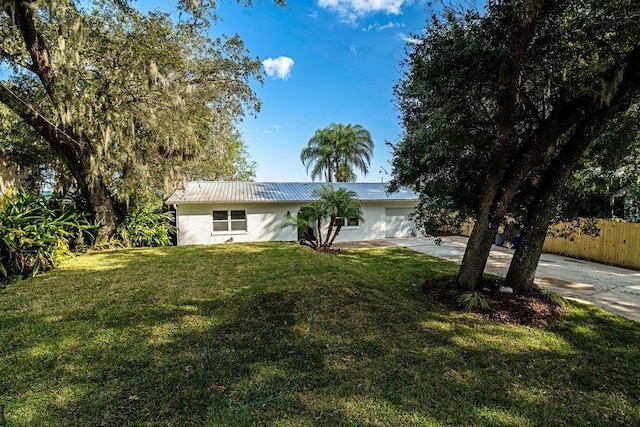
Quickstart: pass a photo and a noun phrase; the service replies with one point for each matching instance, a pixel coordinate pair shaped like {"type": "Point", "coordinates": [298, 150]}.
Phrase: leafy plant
{"type": "Point", "coordinates": [36, 233]}
{"type": "Point", "coordinates": [333, 207]}
{"type": "Point", "coordinates": [147, 225]}
{"type": "Point", "coordinates": [471, 300]}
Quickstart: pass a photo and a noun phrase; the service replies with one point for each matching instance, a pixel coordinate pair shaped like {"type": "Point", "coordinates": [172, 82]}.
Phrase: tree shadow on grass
{"type": "Point", "coordinates": [89, 368]}
{"type": "Point", "coordinates": [256, 348]}
{"type": "Point", "coordinates": [380, 354]}
{"type": "Point", "coordinates": [444, 367]}
{"type": "Point", "coordinates": [457, 369]}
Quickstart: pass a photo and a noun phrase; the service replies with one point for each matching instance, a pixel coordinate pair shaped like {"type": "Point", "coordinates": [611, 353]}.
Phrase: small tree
{"type": "Point", "coordinates": [333, 207]}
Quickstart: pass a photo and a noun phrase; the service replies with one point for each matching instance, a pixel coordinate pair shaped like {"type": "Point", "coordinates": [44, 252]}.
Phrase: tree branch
{"type": "Point", "coordinates": [579, 113]}
{"type": "Point", "coordinates": [509, 77]}
{"type": "Point", "coordinates": [34, 42]}
{"type": "Point", "coordinates": [41, 125]}
{"type": "Point", "coordinates": [15, 59]}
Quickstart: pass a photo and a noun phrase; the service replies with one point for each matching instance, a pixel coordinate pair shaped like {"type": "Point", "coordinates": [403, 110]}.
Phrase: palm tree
{"type": "Point", "coordinates": [333, 152]}
{"type": "Point", "coordinates": [338, 203]}
{"type": "Point", "coordinates": [332, 204]}
{"type": "Point", "coordinates": [318, 155]}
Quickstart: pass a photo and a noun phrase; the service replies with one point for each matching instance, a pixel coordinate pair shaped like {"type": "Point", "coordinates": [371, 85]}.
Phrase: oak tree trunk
{"type": "Point", "coordinates": [525, 260]}
{"type": "Point", "coordinates": [477, 253]}
{"type": "Point", "coordinates": [73, 149]}
{"type": "Point", "coordinates": [482, 236]}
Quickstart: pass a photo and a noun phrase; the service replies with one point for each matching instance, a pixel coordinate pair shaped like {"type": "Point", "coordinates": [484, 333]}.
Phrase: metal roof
{"type": "Point", "coordinates": [259, 192]}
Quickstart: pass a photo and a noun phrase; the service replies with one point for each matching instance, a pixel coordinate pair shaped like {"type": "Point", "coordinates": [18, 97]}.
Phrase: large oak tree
{"type": "Point", "coordinates": [125, 99]}
{"type": "Point", "coordinates": [508, 100]}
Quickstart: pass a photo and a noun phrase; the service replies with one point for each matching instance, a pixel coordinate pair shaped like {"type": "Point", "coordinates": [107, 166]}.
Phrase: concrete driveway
{"type": "Point", "coordinates": [613, 288]}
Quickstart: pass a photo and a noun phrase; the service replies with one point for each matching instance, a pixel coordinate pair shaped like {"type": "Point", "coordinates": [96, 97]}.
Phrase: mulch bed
{"type": "Point", "coordinates": [532, 308]}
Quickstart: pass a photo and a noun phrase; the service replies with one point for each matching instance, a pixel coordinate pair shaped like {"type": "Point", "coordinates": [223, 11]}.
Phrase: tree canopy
{"type": "Point", "coordinates": [498, 107]}
{"type": "Point", "coordinates": [334, 152]}
{"type": "Point", "coordinates": [124, 99]}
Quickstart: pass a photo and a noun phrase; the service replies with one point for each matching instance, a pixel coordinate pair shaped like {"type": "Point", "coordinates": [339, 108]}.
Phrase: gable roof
{"type": "Point", "coordinates": [260, 192]}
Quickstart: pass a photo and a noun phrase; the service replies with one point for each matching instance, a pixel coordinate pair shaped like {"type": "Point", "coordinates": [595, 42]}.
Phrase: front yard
{"type": "Point", "coordinates": [117, 338]}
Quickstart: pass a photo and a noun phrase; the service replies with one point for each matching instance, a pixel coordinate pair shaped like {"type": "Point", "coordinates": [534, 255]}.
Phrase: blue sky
{"type": "Point", "coordinates": [329, 61]}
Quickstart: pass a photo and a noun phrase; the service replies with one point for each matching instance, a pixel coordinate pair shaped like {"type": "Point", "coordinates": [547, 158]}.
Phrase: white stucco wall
{"type": "Point", "coordinates": [264, 223]}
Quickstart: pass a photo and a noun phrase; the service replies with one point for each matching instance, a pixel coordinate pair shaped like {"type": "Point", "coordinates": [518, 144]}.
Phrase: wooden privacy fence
{"type": "Point", "coordinates": [618, 244]}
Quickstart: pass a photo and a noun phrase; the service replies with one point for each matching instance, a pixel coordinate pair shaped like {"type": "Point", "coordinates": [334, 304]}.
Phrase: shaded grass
{"type": "Point", "coordinates": [116, 338]}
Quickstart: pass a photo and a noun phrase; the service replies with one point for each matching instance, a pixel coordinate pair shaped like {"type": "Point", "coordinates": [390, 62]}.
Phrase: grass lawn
{"type": "Point", "coordinates": [117, 338]}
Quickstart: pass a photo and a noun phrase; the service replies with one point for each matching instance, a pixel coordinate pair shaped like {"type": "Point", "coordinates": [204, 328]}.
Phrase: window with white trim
{"type": "Point", "coordinates": [229, 221]}
{"type": "Point", "coordinates": [348, 222]}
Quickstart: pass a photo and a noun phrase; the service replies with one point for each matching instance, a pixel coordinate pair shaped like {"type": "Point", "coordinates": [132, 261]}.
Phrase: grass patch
{"type": "Point", "coordinates": [116, 338]}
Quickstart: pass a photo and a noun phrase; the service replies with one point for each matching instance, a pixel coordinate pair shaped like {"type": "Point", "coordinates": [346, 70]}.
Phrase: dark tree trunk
{"type": "Point", "coordinates": [587, 123]}
{"type": "Point", "coordinates": [100, 203]}
{"type": "Point", "coordinates": [525, 260]}
{"type": "Point", "coordinates": [93, 189]}
{"type": "Point", "coordinates": [476, 254]}
{"type": "Point", "coordinates": [496, 197]}
{"type": "Point", "coordinates": [481, 238]}
{"type": "Point", "coordinates": [73, 149]}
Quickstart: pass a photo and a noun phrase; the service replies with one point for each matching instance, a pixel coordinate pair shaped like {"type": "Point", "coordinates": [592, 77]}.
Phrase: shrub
{"type": "Point", "coordinates": [472, 300]}
{"type": "Point", "coordinates": [36, 233]}
{"type": "Point", "coordinates": [146, 225]}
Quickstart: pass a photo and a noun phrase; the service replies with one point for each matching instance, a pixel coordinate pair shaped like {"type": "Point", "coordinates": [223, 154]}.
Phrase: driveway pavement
{"type": "Point", "coordinates": [613, 288]}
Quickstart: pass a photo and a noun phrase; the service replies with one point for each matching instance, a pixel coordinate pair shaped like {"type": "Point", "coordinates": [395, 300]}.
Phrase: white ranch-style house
{"type": "Point", "coordinates": [210, 212]}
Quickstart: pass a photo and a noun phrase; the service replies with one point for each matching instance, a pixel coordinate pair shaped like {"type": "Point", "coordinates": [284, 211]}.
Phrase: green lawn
{"type": "Point", "coordinates": [117, 338]}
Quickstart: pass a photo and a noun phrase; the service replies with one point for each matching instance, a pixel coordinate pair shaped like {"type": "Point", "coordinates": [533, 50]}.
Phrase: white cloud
{"type": "Point", "coordinates": [351, 10]}
{"type": "Point", "coordinates": [408, 38]}
{"type": "Point", "coordinates": [279, 67]}
{"type": "Point", "coordinates": [377, 27]}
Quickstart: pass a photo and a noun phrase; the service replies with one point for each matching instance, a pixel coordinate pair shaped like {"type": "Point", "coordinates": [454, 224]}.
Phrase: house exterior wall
{"type": "Point", "coordinates": [264, 222]}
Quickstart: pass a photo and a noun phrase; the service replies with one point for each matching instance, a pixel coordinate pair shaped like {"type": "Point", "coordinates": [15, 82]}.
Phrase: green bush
{"type": "Point", "coordinates": [472, 300]}
{"type": "Point", "coordinates": [146, 225]}
{"type": "Point", "coordinates": [36, 233]}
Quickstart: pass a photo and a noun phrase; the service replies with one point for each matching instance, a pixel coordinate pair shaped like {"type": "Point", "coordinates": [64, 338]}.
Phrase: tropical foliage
{"type": "Point", "coordinates": [147, 225]}
{"type": "Point", "coordinates": [36, 233]}
{"type": "Point", "coordinates": [326, 216]}
{"type": "Point", "coordinates": [335, 152]}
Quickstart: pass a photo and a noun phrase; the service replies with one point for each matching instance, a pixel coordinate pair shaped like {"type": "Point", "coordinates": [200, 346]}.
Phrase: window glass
{"type": "Point", "coordinates": [229, 221]}
{"type": "Point", "coordinates": [240, 225]}
{"type": "Point", "coordinates": [220, 226]}
{"type": "Point", "coordinates": [353, 222]}
{"type": "Point", "coordinates": [238, 215]}
{"type": "Point", "coordinates": [219, 215]}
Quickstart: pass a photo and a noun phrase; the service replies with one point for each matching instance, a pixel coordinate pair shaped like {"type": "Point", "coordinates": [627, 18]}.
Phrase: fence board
{"type": "Point", "coordinates": [617, 244]}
